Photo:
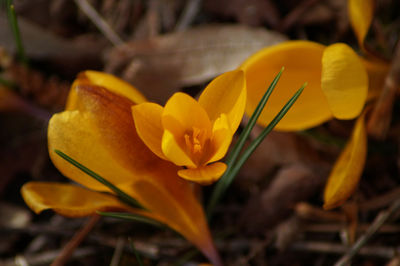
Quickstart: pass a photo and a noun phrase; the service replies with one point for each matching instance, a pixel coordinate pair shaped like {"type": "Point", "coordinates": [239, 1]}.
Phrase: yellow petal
{"type": "Point", "coordinates": [101, 135]}
{"type": "Point", "coordinates": [347, 170]}
{"type": "Point", "coordinates": [68, 200]}
{"type": "Point", "coordinates": [344, 81]}
{"type": "Point", "coordinates": [204, 175]}
{"type": "Point", "coordinates": [187, 111]}
{"type": "Point", "coordinates": [302, 62]}
{"type": "Point", "coordinates": [361, 14]}
{"type": "Point", "coordinates": [172, 198]}
{"type": "Point", "coordinates": [221, 139]}
{"type": "Point", "coordinates": [147, 118]}
{"type": "Point", "coordinates": [226, 94]}
{"type": "Point", "coordinates": [111, 83]}
{"type": "Point", "coordinates": [174, 151]}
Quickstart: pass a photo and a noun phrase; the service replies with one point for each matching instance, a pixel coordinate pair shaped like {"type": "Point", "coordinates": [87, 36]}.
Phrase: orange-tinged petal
{"type": "Point", "coordinates": [347, 170]}
{"type": "Point", "coordinates": [111, 83]}
{"type": "Point", "coordinates": [67, 199]}
{"type": "Point", "coordinates": [147, 117]}
{"type": "Point", "coordinates": [174, 151]}
{"type": "Point", "coordinates": [187, 111]}
{"type": "Point", "coordinates": [302, 62]}
{"type": "Point", "coordinates": [101, 135]}
{"type": "Point", "coordinates": [204, 175]}
{"type": "Point", "coordinates": [221, 139]}
{"type": "Point", "coordinates": [344, 81]}
{"type": "Point", "coordinates": [361, 14]}
{"type": "Point", "coordinates": [226, 94]}
{"type": "Point", "coordinates": [172, 198]}
{"type": "Point", "coordinates": [377, 72]}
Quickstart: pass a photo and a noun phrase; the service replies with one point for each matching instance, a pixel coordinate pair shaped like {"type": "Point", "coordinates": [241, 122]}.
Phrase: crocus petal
{"type": "Point", "coordinates": [187, 111]}
{"type": "Point", "coordinates": [101, 135]}
{"type": "Point", "coordinates": [225, 94]}
{"type": "Point", "coordinates": [68, 200]}
{"type": "Point", "coordinates": [111, 83]}
{"type": "Point", "coordinates": [361, 14]}
{"type": "Point", "coordinates": [173, 151]}
{"type": "Point", "coordinates": [222, 138]}
{"type": "Point", "coordinates": [347, 170]}
{"type": "Point", "coordinates": [204, 175]}
{"type": "Point", "coordinates": [147, 117]}
{"type": "Point", "coordinates": [172, 198]}
{"type": "Point", "coordinates": [344, 81]}
{"type": "Point", "coordinates": [302, 62]}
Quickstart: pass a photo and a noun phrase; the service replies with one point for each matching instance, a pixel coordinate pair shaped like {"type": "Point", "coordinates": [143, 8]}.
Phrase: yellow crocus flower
{"type": "Point", "coordinates": [195, 134]}
{"type": "Point", "coordinates": [97, 130]}
{"type": "Point", "coordinates": [339, 84]}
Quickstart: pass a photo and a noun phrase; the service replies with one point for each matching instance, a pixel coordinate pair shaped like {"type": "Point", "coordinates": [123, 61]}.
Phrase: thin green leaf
{"type": "Point", "coordinates": [138, 258]}
{"type": "Point", "coordinates": [255, 143]}
{"type": "Point", "coordinates": [121, 195]}
{"type": "Point", "coordinates": [131, 217]}
{"type": "Point", "coordinates": [12, 18]}
{"type": "Point", "coordinates": [227, 179]}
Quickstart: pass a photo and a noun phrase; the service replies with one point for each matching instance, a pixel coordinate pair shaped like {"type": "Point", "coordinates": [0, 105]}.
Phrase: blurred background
{"type": "Point", "coordinates": [272, 214]}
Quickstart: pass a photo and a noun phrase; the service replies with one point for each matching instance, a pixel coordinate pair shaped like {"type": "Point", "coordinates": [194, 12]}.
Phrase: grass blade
{"type": "Point", "coordinates": [121, 195]}
{"type": "Point", "coordinates": [227, 179]}
{"type": "Point", "coordinates": [131, 217]}
{"type": "Point", "coordinates": [255, 143]}
{"type": "Point", "coordinates": [12, 18]}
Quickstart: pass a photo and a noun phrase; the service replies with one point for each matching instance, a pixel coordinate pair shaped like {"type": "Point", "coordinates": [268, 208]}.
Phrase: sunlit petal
{"type": "Point", "coordinates": [111, 83]}
{"type": "Point", "coordinates": [68, 200]}
{"type": "Point", "coordinates": [101, 135]}
{"type": "Point", "coordinates": [173, 151]}
{"type": "Point", "coordinates": [171, 197]}
{"type": "Point", "coordinates": [222, 138]}
{"type": "Point", "coordinates": [187, 111]}
{"type": "Point", "coordinates": [347, 170]}
{"type": "Point", "coordinates": [225, 94]}
{"type": "Point", "coordinates": [344, 81]}
{"type": "Point", "coordinates": [302, 62]}
{"type": "Point", "coordinates": [147, 118]}
{"type": "Point", "coordinates": [204, 175]}
{"type": "Point", "coordinates": [361, 14]}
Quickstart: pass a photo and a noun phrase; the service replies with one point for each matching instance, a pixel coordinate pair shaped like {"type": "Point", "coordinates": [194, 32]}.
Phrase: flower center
{"type": "Point", "coordinates": [196, 141]}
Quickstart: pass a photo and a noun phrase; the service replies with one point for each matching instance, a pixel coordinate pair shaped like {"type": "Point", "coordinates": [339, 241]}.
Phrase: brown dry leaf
{"type": "Point", "coordinates": [160, 65]}
{"type": "Point", "coordinates": [40, 44]}
{"type": "Point", "coordinates": [292, 184]}
{"type": "Point", "coordinates": [249, 12]}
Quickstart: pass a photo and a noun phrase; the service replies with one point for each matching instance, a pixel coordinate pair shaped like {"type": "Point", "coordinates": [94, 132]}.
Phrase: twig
{"type": "Point", "coordinates": [378, 222]}
{"type": "Point", "coordinates": [332, 248]}
{"type": "Point", "coordinates": [44, 258]}
{"type": "Point", "coordinates": [293, 17]}
{"type": "Point", "coordinates": [335, 228]}
{"type": "Point", "coordinates": [189, 13]}
{"type": "Point", "coordinates": [381, 115]}
{"type": "Point", "coordinates": [119, 248]}
{"type": "Point", "coordinates": [380, 201]}
{"type": "Point", "coordinates": [100, 23]}
{"type": "Point", "coordinates": [67, 251]}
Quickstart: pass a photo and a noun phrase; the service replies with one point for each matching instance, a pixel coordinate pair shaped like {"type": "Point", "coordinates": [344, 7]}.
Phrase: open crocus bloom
{"type": "Point", "coordinates": [337, 83]}
{"type": "Point", "coordinates": [195, 134]}
{"type": "Point", "coordinates": [97, 130]}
